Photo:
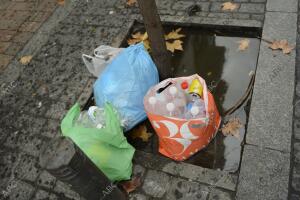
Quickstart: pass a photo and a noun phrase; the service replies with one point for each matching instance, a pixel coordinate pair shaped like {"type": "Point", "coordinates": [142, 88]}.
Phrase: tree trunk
{"type": "Point", "coordinates": [155, 32]}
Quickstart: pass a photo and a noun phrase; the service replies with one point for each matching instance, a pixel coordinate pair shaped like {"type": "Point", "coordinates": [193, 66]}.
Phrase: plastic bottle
{"type": "Point", "coordinates": [93, 118]}
{"type": "Point", "coordinates": [173, 91]}
{"type": "Point", "coordinates": [196, 87]}
{"type": "Point", "coordinates": [171, 108]}
{"type": "Point", "coordinates": [97, 115]}
{"type": "Point", "coordinates": [160, 105]}
{"type": "Point", "coordinates": [178, 98]}
{"type": "Point", "coordinates": [196, 106]}
{"type": "Point", "coordinates": [169, 102]}
{"type": "Point", "coordinates": [180, 102]}
{"type": "Point", "coordinates": [152, 101]}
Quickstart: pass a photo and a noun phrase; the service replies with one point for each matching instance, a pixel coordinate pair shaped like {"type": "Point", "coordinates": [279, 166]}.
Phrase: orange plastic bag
{"type": "Point", "coordinates": [181, 138]}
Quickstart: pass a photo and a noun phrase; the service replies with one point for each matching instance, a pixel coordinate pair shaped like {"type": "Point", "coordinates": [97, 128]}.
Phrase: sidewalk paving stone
{"type": "Point", "coordinates": [282, 5]}
{"type": "Point", "coordinates": [42, 195]}
{"type": "Point", "coordinates": [264, 174]}
{"type": "Point", "coordinates": [271, 126]}
{"type": "Point", "coordinates": [6, 35]}
{"type": "Point", "coordinates": [21, 191]}
{"type": "Point", "coordinates": [4, 61]}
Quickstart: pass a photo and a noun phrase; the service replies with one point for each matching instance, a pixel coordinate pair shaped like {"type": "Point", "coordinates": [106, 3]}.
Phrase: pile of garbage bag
{"type": "Point", "coordinates": [124, 77]}
{"type": "Point", "coordinates": [181, 110]}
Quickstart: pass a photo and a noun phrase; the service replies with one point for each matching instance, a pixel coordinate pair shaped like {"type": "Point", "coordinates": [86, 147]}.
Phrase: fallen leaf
{"type": "Point", "coordinates": [130, 186]}
{"type": "Point", "coordinates": [174, 35]}
{"type": "Point", "coordinates": [171, 46]}
{"type": "Point", "coordinates": [131, 2]}
{"type": "Point", "coordinates": [60, 2]}
{"type": "Point", "coordinates": [137, 37]}
{"type": "Point", "coordinates": [232, 127]}
{"type": "Point", "coordinates": [244, 44]}
{"type": "Point", "coordinates": [133, 41]}
{"type": "Point", "coordinates": [229, 6]}
{"type": "Point", "coordinates": [141, 132]}
{"type": "Point", "coordinates": [175, 45]}
{"type": "Point", "coordinates": [140, 36]}
{"type": "Point", "coordinates": [282, 45]}
{"type": "Point", "coordinates": [25, 60]}
{"type": "Point", "coordinates": [147, 44]}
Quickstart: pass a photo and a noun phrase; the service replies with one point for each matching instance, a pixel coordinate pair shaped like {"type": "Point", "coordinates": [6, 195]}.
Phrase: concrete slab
{"type": "Point", "coordinates": [270, 121]}
{"type": "Point", "coordinates": [210, 21]}
{"type": "Point", "coordinates": [182, 190]}
{"type": "Point", "coordinates": [282, 5]}
{"type": "Point", "coordinates": [191, 172]}
{"type": "Point", "coordinates": [264, 174]}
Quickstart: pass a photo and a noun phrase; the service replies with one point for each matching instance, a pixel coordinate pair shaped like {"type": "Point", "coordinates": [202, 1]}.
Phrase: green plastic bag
{"type": "Point", "coordinates": [106, 147]}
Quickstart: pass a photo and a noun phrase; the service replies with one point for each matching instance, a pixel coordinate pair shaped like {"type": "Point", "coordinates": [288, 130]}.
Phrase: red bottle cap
{"type": "Point", "coordinates": [184, 85]}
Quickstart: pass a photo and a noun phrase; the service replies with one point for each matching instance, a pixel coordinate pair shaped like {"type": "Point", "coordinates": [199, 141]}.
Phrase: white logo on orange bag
{"type": "Point", "coordinates": [185, 132]}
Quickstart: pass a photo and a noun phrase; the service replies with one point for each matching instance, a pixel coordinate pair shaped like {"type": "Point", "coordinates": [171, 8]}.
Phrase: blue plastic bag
{"type": "Point", "coordinates": [125, 82]}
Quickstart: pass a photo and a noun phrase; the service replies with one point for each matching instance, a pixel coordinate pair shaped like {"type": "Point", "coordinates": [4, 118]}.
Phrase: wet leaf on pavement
{"type": "Point", "coordinates": [174, 34]}
{"type": "Point", "coordinates": [282, 45]}
{"type": "Point", "coordinates": [60, 2]}
{"type": "Point", "coordinates": [130, 186]}
{"type": "Point", "coordinates": [244, 44]}
{"type": "Point", "coordinates": [175, 45]}
{"type": "Point", "coordinates": [232, 128]}
{"type": "Point", "coordinates": [140, 132]}
{"type": "Point", "coordinates": [172, 40]}
{"type": "Point", "coordinates": [25, 59]}
{"type": "Point", "coordinates": [229, 6]}
{"type": "Point", "coordinates": [131, 2]}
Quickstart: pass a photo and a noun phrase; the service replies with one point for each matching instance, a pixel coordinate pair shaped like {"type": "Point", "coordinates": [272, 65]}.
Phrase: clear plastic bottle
{"type": "Point", "coordinates": [179, 101]}
{"type": "Point", "coordinates": [195, 108]}
{"type": "Point", "coordinates": [172, 101]}
{"type": "Point", "coordinates": [93, 118]}
{"type": "Point", "coordinates": [161, 103]}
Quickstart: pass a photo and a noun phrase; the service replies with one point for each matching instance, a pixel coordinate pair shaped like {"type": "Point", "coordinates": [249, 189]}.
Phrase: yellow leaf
{"type": "Point", "coordinates": [60, 2]}
{"type": "Point", "coordinates": [25, 60]}
{"type": "Point", "coordinates": [145, 36]}
{"type": "Point", "coordinates": [174, 34]}
{"type": "Point", "coordinates": [146, 44]}
{"type": "Point", "coordinates": [287, 49]}
{"type": "Point", "coordinates": [283, 45]}
{"type": "Point", "coordinates": [137, 37]}
{"type": "Point", "coordinates": [140, 132]}
{"type": "Point", "coordinates": [244, 44]}
{"type": "Point", "coordinates": [232, 127]}
{"type": "Point", "coordinates": [175, 45]}
{"type": "Point", "coordinates": [131, 2]}
{"type": "Point", "coordinates": [229, 6]}
{"type": "Point", "coordinates": [132, 41]}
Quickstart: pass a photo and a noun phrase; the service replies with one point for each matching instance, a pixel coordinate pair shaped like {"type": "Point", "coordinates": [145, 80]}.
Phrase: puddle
{"type": "Point", "coordinates": [213, 54]}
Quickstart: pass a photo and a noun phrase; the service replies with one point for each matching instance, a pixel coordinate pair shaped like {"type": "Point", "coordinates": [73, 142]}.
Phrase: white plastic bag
{"type": "Point", "coordinates": [103, 55]}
